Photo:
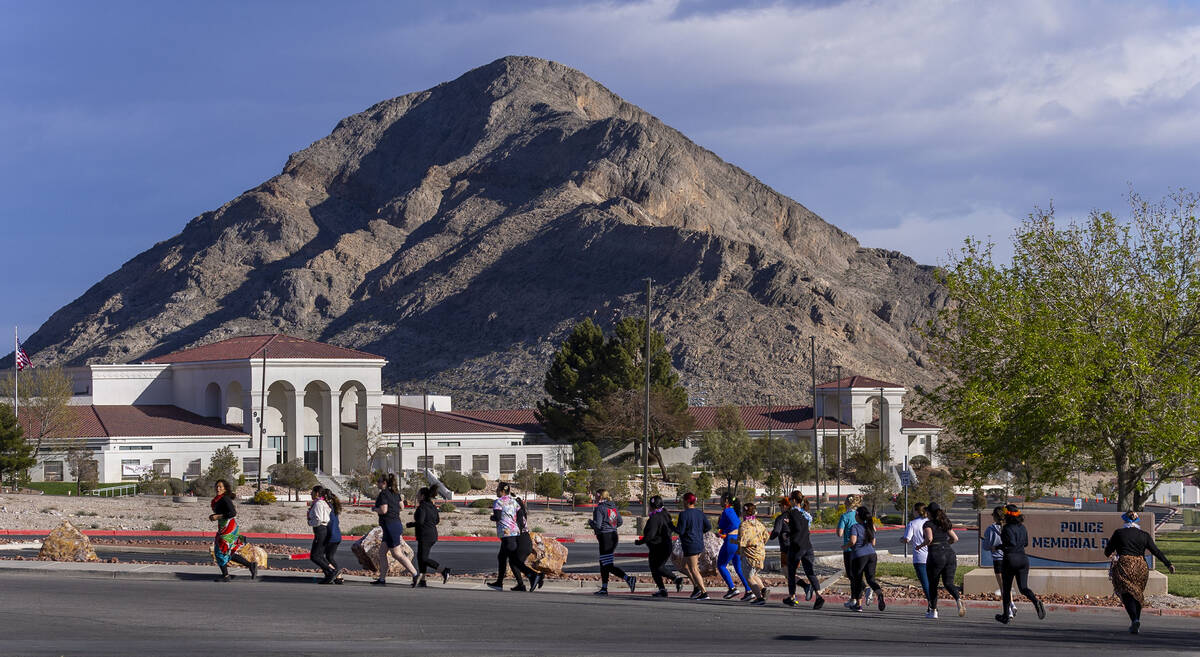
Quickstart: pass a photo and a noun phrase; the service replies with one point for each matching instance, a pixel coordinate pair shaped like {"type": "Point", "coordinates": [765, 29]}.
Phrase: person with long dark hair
{"type": "Point", "coordinates": [863, 559]}
{"type": "Point", "coordinates": [229, 537]}
{"type": "Point", "coordinates": [504, 514]}
{"type": "Point", "coordinates": [334, 539]}
{"type": "Point", "coordinates": [1130, 571]}
{"type": "Point", "coordinates": [752, 548]}
{"type": "Point", "coordinates": [845, 522]}
{"type": "Point", "coordinates": [424, 524]}
{"type": "Point", "coordinates": [914, 535]}
{"type": "Point", "coordinates": [992, 542]}
{"type": "Point", "coordinates": [387, 505]}
{"type": "Point", "coordinates": [727, 531]}
{"type": "Point", "coordinates": [942, 562]}
{"type": "Point", "coordinates": [692, 527]}
{"type": "Point", "coordinates": [656, 536]}
{"type": "Point", "coordinates": [517, 560]}
{"type": "Point", "coordinates": [605, 521]}
{"type": "Point", "coordinates": [318, 518]}
{"type": "Point", "coordinates": [1013, 539]}
{"type": "Point", "coordinates": [800, 544]}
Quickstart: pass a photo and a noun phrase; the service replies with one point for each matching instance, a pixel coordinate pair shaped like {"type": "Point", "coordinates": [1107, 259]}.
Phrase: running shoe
{"type": "Point", "coordinates": [223, 578]}
{"type": "Point", "coordinates": [445, 575]}
{"type": "Point", "coordinates": [849, 604]}
{"type": "Point", "coordinates": [882, 604]}
{"type": "Point", "coordinates": [539, 582]}
{"type": "Point", "coordinates": [856, 608]}
{"type": "Point", "coordinates": [1003, 618]}
{"type": "Point", "coordinates": [1041, 610]}
{"type": "Point", "coordinates": [758, 602]}
{"type": "Point", "coordinates": [868, 596]}
{"type": "Point", "coordinates": [661, 593]}
{"type": "Point", "coordinates": [731, 593]}
{"type": "Point", "coordinates": [749, 595]}
{"type": "Point", "coordinates": [1012, 611]}
{"type": "Point", "coordinates": [495, 586]}
{"type": "Point", "coordinates": [695, 594]}
{"type": "Point", "coordinates": [766, 593]}
{"type": "Point", "coordinates": [790, 602]}
{"type": "Point", "coordinates": [703, 595]}
{"type": "Point", "coordinates": [253, 570]}
{"type": "Point", "coordinates": [380, 582]}
{"type": "Point", "coordinates": [962, 607]}
{"type": "Point", "coordinates": [808, 592]}
{"type": "Point", "coordinates": [819, 603]}
{"type": "Point", "coordinates": [678, 584]}
{"type": "Point", "coordinates": [632, 582]}
{"type": "Point", "coordinates": [1135, 627]}
{"type": "Point", "coordinates": [416, 579]}
{"type": "Point", "coordinates": [520, 586]}
{"type": "Point", "coordinates": [931, 613]}
{"type": "Point", "coordinates": [600, 592]}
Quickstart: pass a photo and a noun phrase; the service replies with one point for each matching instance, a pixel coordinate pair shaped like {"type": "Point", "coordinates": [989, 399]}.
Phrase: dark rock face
{"type": "Point", "coordinates": [462, 231]}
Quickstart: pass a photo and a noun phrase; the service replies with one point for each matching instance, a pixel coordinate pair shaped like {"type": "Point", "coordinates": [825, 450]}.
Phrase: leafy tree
{"type": "Point", "coordinates": [729, 451]}
{"type": "Point", "coordinates": [549, 485]}
{"type": "Point", "coordinates": [933, 485]}
{"type": "Point", "coordinates": [621, 415]}
{"type": "Point", "coordinates": [587, 455]}
{"type": "Point", "coordinates": [611, 478]}
{"type": "Point", "coordinates": [792, 463]}
{"type": "Point", "coordinates": [877, 488]}
{"type": "Point", "coordinates": [703, 487]}
{"type": "Point", "coordinates": [45, 396]}
{"type": "Point", "coordinates": [1084, 351]}
{"type": "Point", "coordinates": [293, 476]}
{"type": "Point", "coordinates": [525, 479]}
{"type": "Point", "coordinates": [84, 469]}
{"type": "Point", "coordinates": [578, 481]}
{"type": "Point", "coordinates": [16, 454]}
{"type": "Point", "coordinates": [224, 465]}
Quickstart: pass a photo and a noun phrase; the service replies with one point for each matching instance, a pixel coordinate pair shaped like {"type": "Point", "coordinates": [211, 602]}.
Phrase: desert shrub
{"type": "Point", "coordinates": [90, 514]}
{"type": "Point", "coordinates": [481, 503]}
{"type": "Point", "coordinates": [447, 507]}
{"type": "Point", "coordinates": [828, 516]}
{"type": "Point", "coordinates": [241, 479]}
{"type": "Point", "coordinates": [581, 498]}
{"type": "Point", "coordinates": [152, 485]}
{"type": "Point", "coordinates": [997, 494]}
{"type": "Point", "coordinates": [934, 485]}
{"type": "Point", "coordinates": [263, 497]}
{"type": "Point", "coordinates": [457, 482]}
{"type": "Point", "coordinates": [549, 484]}
{"type": "Point", "coordinates": [477, 481]}
{"type": "Point", "coordinates": [177, 485]}
{"type": "Point", "coordinates": [361, 530]}
{"type": "Point", "coordinates": [538, 530]}
{"type": "Point", "coordinates": [263, 529]}
{"type": "Point", "coordinates": [160, 526]}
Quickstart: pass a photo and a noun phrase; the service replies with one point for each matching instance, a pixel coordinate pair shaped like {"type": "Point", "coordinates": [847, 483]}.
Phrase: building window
{"type": "Point", "coordinates": [408, 443]}
{"type": "Point", "coordinates": [250, 466]}
{"type": "Point", "coordinates": [481, 463]}
{"type": "Point", "coordinates": [131, 468]}
{"type": "Point", "coordinates": [279, 444]}
{"type": "Point", "coordinates": [508, 463]}
{"type": "Point", "coordinates": [52, 471]}
{"type": "Point", "coordinates": [162, 468]}
{"type": "Point", "coordinates": [533, 462]}
{"type": "Point", "coordinates": [454, 463]}
{"type": "Point", "coordinates": [449, 443]}
{"type": "Point", "coordinates": [514, 443]}
{"type": "Point", "coordinates": [129, 448]}
{"type": "Point", "coordinates": [193, 469]}
{"type": "Point", "coordinates": [424, 462]}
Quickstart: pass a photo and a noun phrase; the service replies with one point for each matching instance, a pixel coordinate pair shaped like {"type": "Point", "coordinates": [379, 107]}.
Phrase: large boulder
{"type": "Point", "coordinates": [366, 549]}
{"type": "Point", "coordinates": [708, 558]}
{"type": "Point", "coordinates": [249, 552]}
{"type": "Point", "coordinates": [66, 543]}
{"type": "Point", "coordinates": [548, 556]}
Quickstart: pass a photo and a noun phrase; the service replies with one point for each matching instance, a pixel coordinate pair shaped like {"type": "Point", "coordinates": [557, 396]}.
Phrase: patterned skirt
{"type": "Point", "coordinates": [229, 539]}
{"type": "Point", "coordinates": [1129, 575]}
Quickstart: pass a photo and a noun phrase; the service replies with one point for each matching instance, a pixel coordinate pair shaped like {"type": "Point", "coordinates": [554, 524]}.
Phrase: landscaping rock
{"type": "Point", "coordinates": [366, 549]}
{"type": "Point", "coordinates": [548, 555]}
{"type": "Point", "coordinates": [66, 543]}
{"type": "Point", "coordinates": [708, 558]}
{"type": "Point", "coordinates": [249, 552]}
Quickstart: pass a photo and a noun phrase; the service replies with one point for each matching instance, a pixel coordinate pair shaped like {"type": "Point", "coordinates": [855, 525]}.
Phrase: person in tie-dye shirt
{"type": "Point", "coordinates": [504, 513]}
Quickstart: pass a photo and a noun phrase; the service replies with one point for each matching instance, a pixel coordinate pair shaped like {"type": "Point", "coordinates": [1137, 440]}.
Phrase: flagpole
{"type": "Point", "coordinates": [16, 376]}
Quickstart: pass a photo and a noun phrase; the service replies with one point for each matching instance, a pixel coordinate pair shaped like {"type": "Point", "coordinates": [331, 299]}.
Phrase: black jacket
{"type": "Point", "coordinates": [791, 527]}
{"type": "Point", "coordinates": [657, 533]}
{"type": "Point", "coordinates": [224, 507]}
{"type": "Point", "coordinates": [425, 522]}
{"type": "Point", "coordinates": [1134, 542]}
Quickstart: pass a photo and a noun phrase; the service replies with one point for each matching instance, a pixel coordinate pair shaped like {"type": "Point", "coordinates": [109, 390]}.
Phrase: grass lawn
{"type": "Point", "coordinates": [906, 570]}
{"type": "Point", "coordinates": [1183, 549]}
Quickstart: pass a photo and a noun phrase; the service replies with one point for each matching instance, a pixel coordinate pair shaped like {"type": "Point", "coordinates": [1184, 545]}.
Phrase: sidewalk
{"type": "Point", "coordinates": [562, 586]}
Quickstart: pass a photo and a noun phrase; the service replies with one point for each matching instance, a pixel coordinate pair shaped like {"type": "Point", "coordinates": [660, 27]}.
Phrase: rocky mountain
{"type": "Point", "coordinates": [463, 230]}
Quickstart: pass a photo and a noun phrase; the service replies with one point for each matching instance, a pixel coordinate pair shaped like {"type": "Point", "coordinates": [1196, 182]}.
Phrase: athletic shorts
{"type": "Point", "coordinates": [997, 565]}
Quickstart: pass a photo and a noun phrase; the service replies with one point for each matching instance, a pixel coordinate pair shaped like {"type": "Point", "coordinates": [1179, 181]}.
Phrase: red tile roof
{"type": "Point", "coordinates": [252, 346]}
{"type": "Point", "coordinates": [403, 419]}
{"type": "Point", "coordinates": [859, 382]}
{"type": "Point", "coordinates": [517, 419]}
{"type": "Point", "coordinates": [905, 423]}
{"type": "Point", "coordinates": [140, 422]}
{"type": "Point", "coordinates": [759, 418]}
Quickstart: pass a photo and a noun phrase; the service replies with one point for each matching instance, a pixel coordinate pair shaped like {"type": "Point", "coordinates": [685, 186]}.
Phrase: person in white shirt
{"type": "Point", "coordinates": [318, 519]}
{"type": "Point", "coordinates": [914, 534]}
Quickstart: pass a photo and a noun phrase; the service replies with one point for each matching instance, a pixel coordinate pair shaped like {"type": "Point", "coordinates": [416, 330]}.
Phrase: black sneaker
{"type": "Point", "coordinates": [679, 585]}
{"type": "Point", "coordinates": [421, 584]}
{"type": "Point", "coordinates": [378, 582]}
{"type": "Point", "coordinates": [749, 595]}
{"type": "Point", "coordinates": [495, 586]}
{"type": "Point", "coordinates": [695, 594]}
{"type": "Point", "coordinates": [1041, 610]}
{"type": "Point", "coordinates": [731, 593]}
{"type": "Point", "coordinates": [539, 582]}
{"type": "Point", "coordinates": [790, 602]}
{"type": "Point", "coordinates": [882, 604]}
{"type": "Point", "coordinates": [223, 578]}
{"type": "Point", "coordinates": [1135, 627]}
{"type": "Point", "coordinates": [856, 607]}
{"type": "Point", "coordinates": [703, 595]}
{"type": "Point", "coordinates": [758, 602]}
{"type": "Point", "coordinates": [1003, 618]}
{"type": "Point", "coordinates": [445, 575]}
{"type": "Point", "coordinates": [600, 592]}
{"type": "Point", "coordinates": [632, 582]}
{"type": "Point", "coordinates": [416, 578]}
{"type": "Point", "coordinates": [520, 586]}
{"type": "Point", "coordinates": [661, 593]}
{"type": "Point", "coordinates": [253, 570]}
{"type": "Point", "coordinates": [819, 603]}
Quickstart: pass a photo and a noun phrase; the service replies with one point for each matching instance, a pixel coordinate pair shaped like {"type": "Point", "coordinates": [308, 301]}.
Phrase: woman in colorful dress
{"type": "Point", "coordinates": [1130, 571]}
{"type": "Point", "coordinates": [229, 538]}
{"type": "Point", "coordinates": [752, 548]}
{"type": "Point", "coordinates": [388, 504]}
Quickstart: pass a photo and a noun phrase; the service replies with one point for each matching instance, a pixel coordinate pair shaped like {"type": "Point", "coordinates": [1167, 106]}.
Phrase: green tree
{"type": "Point", "coordinates": [620, 416]}
{"type": "Point", "coordinates": [45, 396]}
{"type": "Point", "coordinates": [549, 485]}
{"type": "Point", "coordinates": [703, 487]}
{"type": "Point", "coordinates": [224, 465]}
{"type": "Point", "coordinates": [611, 478]}
{"type": "Point", "coordinates": [933, 485]}
{"type": "Point", "coordinates": [586, 455]}
{"type": "Point", "coordinates": [16, 453]}
{"type": "Point", "coordinates": [729, 451]}
{"type": "Point", "coordinates": [574, 382]}
{"type": "Point", "coordinates": [877, 488]}
{"type": "Point", "coordinates": [84, 469]}
{"type": "Point", "coordinates": [293, 476]}
{"type": "Point", "coordinates": [578, 481]}
{"type": "Point", "coordinates": [1084, 351]}
{"type": "Point", "coordinates": [525, 480]}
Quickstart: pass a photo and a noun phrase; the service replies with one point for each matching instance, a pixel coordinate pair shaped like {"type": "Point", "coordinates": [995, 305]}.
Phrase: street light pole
{"type": "Point", "coordinates": [812, 345]}
{"type": "Point", "coordinates": [646, 417]}
{"type": "Point", "coordinates": [839, 430]}
{"type": "Point", "coordinates": [262, 416]}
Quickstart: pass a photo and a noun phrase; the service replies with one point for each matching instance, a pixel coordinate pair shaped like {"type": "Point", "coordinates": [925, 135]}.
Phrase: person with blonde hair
{"type": "Point", "coordinates": [847, 521]}
{"type": "Point", "coordinates": [1130, 544]}
{"type": "Point", "coordinates": [752, 547]}
{"type": "Point", "coordinates": [605, 521]}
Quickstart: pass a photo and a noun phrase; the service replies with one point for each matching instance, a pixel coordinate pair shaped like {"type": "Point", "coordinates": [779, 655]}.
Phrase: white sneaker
{"type": "Point", "coordinates": [931, 613]}
{"type": "Point", "coordinates": [869, 595]}
{"type": "Point", "coordinates": [1012, 611]}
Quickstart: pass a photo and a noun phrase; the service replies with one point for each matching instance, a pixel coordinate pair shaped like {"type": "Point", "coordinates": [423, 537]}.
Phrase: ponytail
{"type": "Point", "coordinates": [939, 518]}
{"type": "Point", "coordinates": [863, 515]}
{"type": "Point", "coordinates": [390, 481]}
{"type": "Point", "coordinates": [332, 500]}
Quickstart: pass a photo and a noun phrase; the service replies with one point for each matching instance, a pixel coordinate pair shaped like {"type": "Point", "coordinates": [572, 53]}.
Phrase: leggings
{"type": "Point", "coordinates": [728, 555]}
{"type": "Point", "coordinates": [792, 561]}
{"type": "Point", "coordinates": [236, 558]}
{"type": "Point", "coordinates": [863, 567]}
{"type": "Point", "coordinates": [923, 576]}
{"type": "Point", "coordinates": [331, 553]}
{"type": "Point", "coordinates": [941, 565]}
{"type": "Point", "coordinates": [423, 560]}
{"type": "Point", "coordinates": [509, 549]}
{"type": "Point", "coordinates": [1016, 566]}
{"type": "Point", "coordinates": [608, 545]}
{"type": "Point", "coordinates": [1132, 606]}
{"type": "Point", "coordinates": [317, 552]}
{"type": "Point", "coordinates": [658, 567]}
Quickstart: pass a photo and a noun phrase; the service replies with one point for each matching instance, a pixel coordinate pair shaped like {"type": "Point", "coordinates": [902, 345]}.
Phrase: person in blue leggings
{"type": "Point", "coordinates": [727, 529]}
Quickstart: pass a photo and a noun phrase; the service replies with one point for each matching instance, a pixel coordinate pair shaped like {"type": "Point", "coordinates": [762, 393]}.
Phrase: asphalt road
{"type": "Point", "coordinates": [64, 616]}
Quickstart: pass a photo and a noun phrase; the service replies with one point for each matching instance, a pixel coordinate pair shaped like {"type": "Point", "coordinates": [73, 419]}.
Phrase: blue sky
{"type": "Point", "coordinates": [910, 125]}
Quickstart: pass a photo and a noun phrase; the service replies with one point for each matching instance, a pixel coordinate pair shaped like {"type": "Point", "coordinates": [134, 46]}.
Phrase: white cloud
{"type": "Point", "coordinates": [934, 240]}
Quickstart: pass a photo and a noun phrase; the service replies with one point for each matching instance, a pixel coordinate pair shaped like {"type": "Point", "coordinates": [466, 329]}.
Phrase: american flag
{"type": "Point", "coordinates": [22, 358]}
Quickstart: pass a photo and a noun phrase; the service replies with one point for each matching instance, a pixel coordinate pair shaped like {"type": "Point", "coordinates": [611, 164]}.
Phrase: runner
{"type": "Point", "coordinates": [318, 519]}
{"type": "Point", "coordinates": [335, 534]}
{"type": "Point", "coordinates": [692, 527]}
{"type": "Point", "coordinates": [845, 522]}
{"type": "Point", "coordinates": [752, 548]}
{"type": "Point", "coordinates": [993, 542]}
{"type": "Point", "coordinates": [524, 548]}
{"type": "Point", "coordinates": [914, 535]}
{"type": "Point", "coordinates": [424, 524]}
{"type": "Point", "coordinates": [1130, 544]}
{"type": "Point", "coordinates": [863, 558]}
{"type": "Point", "coordinates": [387, 505]}
{"type": "Point", "coordinates": [1014, 538]}
{"type": "Point", "coordinates": [605, 521]}
{"type": "Point", "coordinates": [504, 514]}
{"type": "Point", "coordinates": [727, 531]}
{"type": "Point", "coordinates": [656, 535]}
{"type": "Point", "coordinates": [942, 562]}
{"type": "Point", "coordinates": [229, 538]}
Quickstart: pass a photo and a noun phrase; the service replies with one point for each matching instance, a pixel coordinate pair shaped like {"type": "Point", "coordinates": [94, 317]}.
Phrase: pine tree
{"type": "Point", "coordinates": [16, 454]}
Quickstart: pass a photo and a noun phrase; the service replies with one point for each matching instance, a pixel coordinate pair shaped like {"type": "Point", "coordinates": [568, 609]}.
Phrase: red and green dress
{"type": "Point", "coordinates": [228, 538]}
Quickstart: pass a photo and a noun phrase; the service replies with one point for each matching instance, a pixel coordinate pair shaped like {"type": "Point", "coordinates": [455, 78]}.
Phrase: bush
{"type": "Point", "coordinates": [549, 484]}
{"type": "Point", "coordinates": [457, 482]}
{"type": "Point", "coordinates": [828, 517]}
{"type": "Point", "coordinates": [361, 530]}
{"type": "Point", "coordinates": [447, 507]}
{"type": "Point", "coordinates": [151, 485]}
{"type": "Point", "coordinates": [978, 499]}
{"type": "Point", "coordinates": [241, 480]}
{"type": "Point", "coordinates": [263, 529]}
{"type": "Point", "coordinates": [160, 526]}
{"type": "Point", "coordinates": [934, 485]}
{"type": "Point", "coordinates": [997, 495]}
{"type": "Point", "coordinates": [201, 486]}
{"type": "Point", "coordinates": [481, 503]}
{"type": "Point", "coordinates": [263, 497]}
{"type": "Point", "coordinates": [581, 498]}
{"type": "Point", "coordinates": [477, 481]}
{"type": "Point", "coordinates": [178, 487]}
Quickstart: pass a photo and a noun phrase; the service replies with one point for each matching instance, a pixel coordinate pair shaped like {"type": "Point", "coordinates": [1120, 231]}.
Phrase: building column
{"type": "Point", "coordinates": [331, 438]}
{"type": "Point", "coordinates": [897, 442]}
{"type": "Point", "coordinates": [294, 426]}
{"type": "Point", "coordinates": [249, 416]}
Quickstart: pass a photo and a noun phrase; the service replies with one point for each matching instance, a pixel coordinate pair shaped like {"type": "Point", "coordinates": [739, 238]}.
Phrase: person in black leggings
{"type": "Point", "coordinates": [506, 512]}
{"type": "Point", "coordinates": [863, 559]}
{"type": "Point", "coordinates": [939, 536]}
{"type": "Point", "coordinates": [1013, 539]}
{"type": "Point", "coordinates": [657, 537]}
{"type": "Point", "coordinates": [519, 557]}
{"type": "Point", "coordinates": [605, 521]}
{"type": "Point", "coordinates": [334, 539]}
{"type": "Point", "coordinates": [424, 524]}
{"type": "Point", "coordinates": [795, 548]}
